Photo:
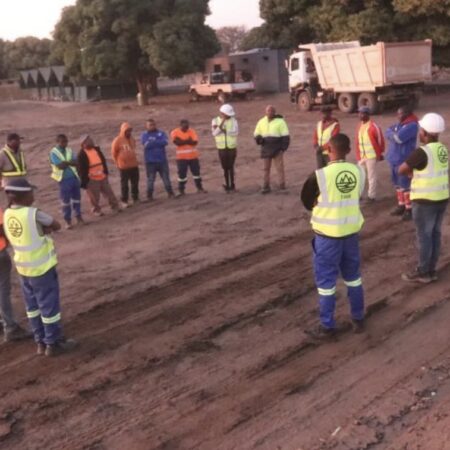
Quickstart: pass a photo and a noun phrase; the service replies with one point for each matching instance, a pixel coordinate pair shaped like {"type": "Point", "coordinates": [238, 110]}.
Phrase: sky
{"type": "Point", "coordinates": [38, 17]}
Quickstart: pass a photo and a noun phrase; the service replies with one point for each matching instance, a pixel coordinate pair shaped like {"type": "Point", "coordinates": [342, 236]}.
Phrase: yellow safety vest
{"type": "Point", "coordinates": [337, 213]}
{"type": "Point", "coordinates": [365, 144]}
{"type": "Point", "coordinates": [57, 174]}
{"type": "Point", "coordinates": [324, 136]}
{"type": "Point", "coordinates": [34, 255]}
{"type": "Point", "coordinates": [276, 128]}
{"type": "Point", "coordinates": [226, 140]}
{"type": "Point", "coordinates": [431, 183]}
{"type": "Point", "coordinates": [20, 168]}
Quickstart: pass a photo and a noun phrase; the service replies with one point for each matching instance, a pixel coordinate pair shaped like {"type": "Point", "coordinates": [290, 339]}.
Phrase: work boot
{"type": "Point", "coordinates": [180, 194]}
{"type": "Point", "coordinates": [233, 188]}
{"type": "Point", "coordinates": [69, 225]}
{"type": "Point", "coordinates": [40, 348]}
{"type": "Point", "coordinates": [266, 190]}
{"type": "Point", "coordinates": [321, 333]}
{"type": "Point", "coordinates": [124, 205]}
{"type": "Point", "coordinates": [201, 191]}
{"type": "Point", "coordinates": [60, 347]}
{"type": "Point", "coordinates": [98, 213]}
{"type": "Point", "coordinates": [416, 277]}
{"type": "Point", "coordinates": [16, 334]}
{"type": "Point", "coordinates": [398, 211]}
{"type": "Point", "coordinates": [434, 276]}
{"type": "Point", "coordinates": [407, 215]}
{"type": "Point", "coordinates": [171, 195]}
{"type": "Point", "coordinates": [359, 326]}
{"type": "Point", "coordinates": [283, 187]}
{"type": "Point", "coordinates": [226, 188]}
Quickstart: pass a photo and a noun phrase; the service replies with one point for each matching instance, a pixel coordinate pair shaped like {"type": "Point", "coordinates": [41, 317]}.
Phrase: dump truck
{"type": "Point", "coordinates": [352, 76]}
{"type": "Point", "coordinates": [223, 87]}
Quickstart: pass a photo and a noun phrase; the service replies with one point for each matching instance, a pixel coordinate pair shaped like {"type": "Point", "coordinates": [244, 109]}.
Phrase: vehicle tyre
{"type": "Point", "coordinates": [304, 101]}
{"type": "Point", "coordinates": [194, 96]}
{"type": "Point", "coordinates": [369, 100]}
{"type": "Point", "coordinates": [347, 102]}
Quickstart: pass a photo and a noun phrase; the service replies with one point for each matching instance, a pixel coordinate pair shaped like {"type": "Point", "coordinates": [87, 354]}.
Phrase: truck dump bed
{"type": "Point", "coordinates": [350, 67]}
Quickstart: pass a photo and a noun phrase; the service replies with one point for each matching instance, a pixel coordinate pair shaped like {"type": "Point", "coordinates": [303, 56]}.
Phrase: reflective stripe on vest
{"type": "Point", "coordinates": [34, 255]}
{"type": "Point", "coordinates": [226, 140]}
{"type": "Point", "coordinates": [57, 174]}
{"type": "Point", "coordinates": [366, 149]}
{"type": "Point", "coordinates": [96, 170]}
{"type": "Point", "coordinates": [20, 168]}
{"type": "Point", "coordinates": [431, 183]}
{"type": "Point", "coordinates": [324, 135]}
{"type": "Point", "coordinates": [337, 213]}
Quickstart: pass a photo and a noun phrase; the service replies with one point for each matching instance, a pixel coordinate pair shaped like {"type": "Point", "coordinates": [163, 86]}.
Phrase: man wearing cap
{"type": "Point", "coordinates": [93, 172]}
{"type": "Point", "coordinates": [402, 141]}
{"type": "Point", "coordinates": [428, 168]}
{"type": "Point", "coordinates": [326, 128]}
{"type": "Point", "coordinates": [225, 130]}
{"type": "Point", "coordinates": [27, 229]}
{"type": "Point", "coordinates": [12, 159]}
{"type": "Point", "coordinates": [272, 134]}
{"type": "Point", "coordinates": [369, 149]}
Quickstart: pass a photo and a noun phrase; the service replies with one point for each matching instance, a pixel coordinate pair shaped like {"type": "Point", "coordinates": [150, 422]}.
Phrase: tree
{"type": "Point", "coordinates": [134, 39]}
{"type": "Point", "coordinates": [231, 38]}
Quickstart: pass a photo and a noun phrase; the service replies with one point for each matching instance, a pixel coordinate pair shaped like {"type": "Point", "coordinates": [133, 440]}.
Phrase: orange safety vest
{"type": "Point", "coordinates": [185, 151]}
{"type": "Point", "coordinates": [96, 171]}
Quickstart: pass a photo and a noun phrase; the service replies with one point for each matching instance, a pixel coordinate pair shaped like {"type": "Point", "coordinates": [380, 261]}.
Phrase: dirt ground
{"type": "Point", "coordinates": [191, 313]}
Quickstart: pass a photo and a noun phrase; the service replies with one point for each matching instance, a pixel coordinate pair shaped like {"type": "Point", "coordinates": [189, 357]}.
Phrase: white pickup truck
{"type": "Point", "coordinates": [217, 85]}
{"type": "Point", "coordinates": [351, 75]}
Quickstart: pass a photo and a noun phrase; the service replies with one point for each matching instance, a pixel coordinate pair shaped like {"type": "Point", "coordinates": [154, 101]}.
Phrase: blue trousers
{"type": "Point", "coordinates": [163, 169]}
{"type": "Point", "coordinates": [428, 219]}
{"type": "Point", "coordinates": [331, 257]}
{"type": "Point", "coordinates": [42, 305]}
{"type": "Point", "coordinates": [70, 194]}
{"type": "Point", "coordinates": [401, 182]}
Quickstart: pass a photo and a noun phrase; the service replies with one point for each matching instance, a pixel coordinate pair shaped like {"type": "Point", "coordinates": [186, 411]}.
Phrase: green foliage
{"type": "Point", "coordinates": [134, 39]}
{"type": "Point", "coordinates": [291, 22]}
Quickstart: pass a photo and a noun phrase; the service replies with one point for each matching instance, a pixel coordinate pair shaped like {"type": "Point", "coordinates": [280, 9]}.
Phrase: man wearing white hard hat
{"type": "Point", "coordinates": [428, 168]}
{"type": "Point", "coordinates": [225, 130]}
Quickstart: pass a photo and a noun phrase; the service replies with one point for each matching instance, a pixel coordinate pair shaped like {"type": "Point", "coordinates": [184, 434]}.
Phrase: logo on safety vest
{"type": "Point", "coordinates": [346, 182]}
{"type": "Point", "coordinates": [443, 155]}
{"type": "Point", "coordinates": [15, 227]}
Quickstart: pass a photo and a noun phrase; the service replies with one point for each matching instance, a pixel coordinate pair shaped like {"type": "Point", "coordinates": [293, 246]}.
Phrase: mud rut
{"type": "Point", "coordinates": [219, 360]}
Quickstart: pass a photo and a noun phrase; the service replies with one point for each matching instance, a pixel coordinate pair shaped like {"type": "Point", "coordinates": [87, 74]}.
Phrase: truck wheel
{"type": "Point", "coordinates": [194, 96]}
{"type": "Point", "coordinates": [369, 100]}
{"type": "Point", "coordinates": [347, 102]}
{"type": "Point", "coordinates": [304, 101]}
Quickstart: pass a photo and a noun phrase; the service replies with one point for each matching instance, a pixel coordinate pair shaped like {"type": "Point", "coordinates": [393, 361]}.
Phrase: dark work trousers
{"type": "Point", "coordinates": [183, 165]}
{"type": "Point", "coordinates": [6, 310]}
{"type": "Point", "coordinates": [227, 158]}
{"type": "Point", "coordinates": [152, 170]}
{"type": "Point", "coordinates": [322, 160]}
{"type": "Point", "coordinates": [129, 176]}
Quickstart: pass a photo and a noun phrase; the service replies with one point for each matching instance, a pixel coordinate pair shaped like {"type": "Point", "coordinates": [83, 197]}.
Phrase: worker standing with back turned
{"type": "Point", "coordinates": [428, 167]}
{"type": "Point", "coordinates": [332, 194]}
{"type": "Point", "coordinates": [28, 229]}
{"type": "Point", "coordinates": [12, 159]}
{"type": "Point", "coordinates": [326, 128]}
{"type": "Point", "coordinates": [272, 134]}
{"type": "Point", "coordinates": [369, 149]}
{"type": "Point", "coordinates": [225, 130]}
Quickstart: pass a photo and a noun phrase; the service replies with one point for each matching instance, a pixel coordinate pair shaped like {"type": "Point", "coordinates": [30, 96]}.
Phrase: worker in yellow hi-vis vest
{"type": "Point", "coordinates": [333, 194]}
{"type": "Point", "coordinates": [12, 159]}
{"type": "Point", "coordinates": [27, 229]}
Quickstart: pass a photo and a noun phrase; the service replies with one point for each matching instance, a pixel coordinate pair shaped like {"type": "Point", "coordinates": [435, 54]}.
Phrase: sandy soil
{"type": "Point", "coordinates": [191, 313]}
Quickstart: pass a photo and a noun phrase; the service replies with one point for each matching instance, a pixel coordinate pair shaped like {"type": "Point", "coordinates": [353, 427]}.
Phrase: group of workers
{"type": "Point", "coordinates": [332, 193]}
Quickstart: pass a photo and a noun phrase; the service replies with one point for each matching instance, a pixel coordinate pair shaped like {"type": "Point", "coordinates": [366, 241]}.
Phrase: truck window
{"type": "Point", "coordinates": [295, 64]}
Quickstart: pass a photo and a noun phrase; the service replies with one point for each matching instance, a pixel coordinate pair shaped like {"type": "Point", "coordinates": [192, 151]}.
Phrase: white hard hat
{"type": "Point", "coordinates": [228, 110]}
{"type": "Point", "coordinates": [432, 123]}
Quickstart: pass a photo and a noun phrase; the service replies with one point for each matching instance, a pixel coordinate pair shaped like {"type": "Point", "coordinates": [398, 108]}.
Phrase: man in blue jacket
{"type": "Point", "coordinates": [155, 142]}
{"type": "Point", "coordinates": [402, 141]}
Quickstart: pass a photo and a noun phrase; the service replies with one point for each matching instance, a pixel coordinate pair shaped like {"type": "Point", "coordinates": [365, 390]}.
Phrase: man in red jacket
{"type": "Point", "coordinates": [369, 149]}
